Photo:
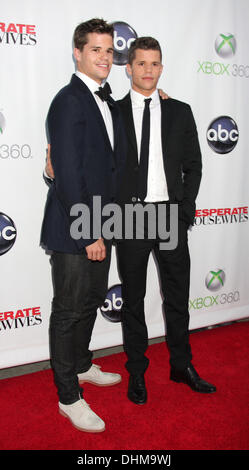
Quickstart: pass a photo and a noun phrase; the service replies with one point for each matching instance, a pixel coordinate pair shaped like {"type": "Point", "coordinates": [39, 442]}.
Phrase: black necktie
{"type": "Point", "coordinates": [144, 151]}
{"type": "Point", "coordinates": [104, 92]}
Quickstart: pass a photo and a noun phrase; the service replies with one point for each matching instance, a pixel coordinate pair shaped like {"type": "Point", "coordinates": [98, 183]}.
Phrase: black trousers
{"type": "Point", "coordinates": [80, 287]}
{"type": "Point", "coordinates": [174, 269]}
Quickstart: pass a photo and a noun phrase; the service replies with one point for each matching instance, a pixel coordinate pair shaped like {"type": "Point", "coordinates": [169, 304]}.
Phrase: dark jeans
{"type": "Point", "coordinates": [174, 269]}
{"type": "Point", "coordinates": [80, 287]}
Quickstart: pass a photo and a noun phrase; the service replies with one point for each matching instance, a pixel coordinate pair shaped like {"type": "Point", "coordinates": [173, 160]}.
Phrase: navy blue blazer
{"type": "Point", "coordinates": [85, 165]}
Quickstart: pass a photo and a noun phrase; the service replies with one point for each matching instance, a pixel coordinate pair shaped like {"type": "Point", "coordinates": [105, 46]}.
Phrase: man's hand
{"type": "Point", "coordinates": [49, 169]}
{"type": "Point", "coordinates": [96, 251]}
{"type": "Point", "coordinates": [163, 95]}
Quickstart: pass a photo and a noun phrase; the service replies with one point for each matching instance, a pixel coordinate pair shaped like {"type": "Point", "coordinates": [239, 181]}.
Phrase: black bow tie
{"type": "Point", "coordinates": [104, 92]}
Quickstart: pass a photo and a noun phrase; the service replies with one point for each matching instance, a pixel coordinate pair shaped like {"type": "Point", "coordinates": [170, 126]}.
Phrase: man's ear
{"type": "Point", "coordinates": [76, 53]}
{"type": "Point", "coordinates": [128, 68]}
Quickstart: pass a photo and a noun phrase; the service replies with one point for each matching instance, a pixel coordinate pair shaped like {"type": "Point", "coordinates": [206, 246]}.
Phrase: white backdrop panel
{"type": "Point", "coordinates": [35, 67]}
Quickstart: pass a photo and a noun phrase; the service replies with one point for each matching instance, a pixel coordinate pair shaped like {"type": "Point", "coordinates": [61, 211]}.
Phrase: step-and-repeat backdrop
{"type": "Point", "coordinates": [206, 64]}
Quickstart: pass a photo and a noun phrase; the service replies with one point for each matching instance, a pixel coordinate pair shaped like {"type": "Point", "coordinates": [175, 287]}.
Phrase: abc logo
{"type": "Point", "coordinates": [222, 134]}
{"type": "Point", "coordinates": [124, 35]}
{"type": "Point", "coordinates": [7, 233]}
{"type": "Point", "coordinates": [225, 45]}
{"type": "Point", "coordinates": [215, 280]}
{"type": "Point", "coordinates": [111, 310]}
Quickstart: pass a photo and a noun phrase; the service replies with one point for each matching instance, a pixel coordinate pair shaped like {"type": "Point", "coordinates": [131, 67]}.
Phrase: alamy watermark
{"type": "Point", "coordinates": [162, 222]}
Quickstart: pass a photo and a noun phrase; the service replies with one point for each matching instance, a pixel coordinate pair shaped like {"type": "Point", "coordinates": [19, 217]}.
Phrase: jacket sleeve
{"type": "Point", "coordinates": [66, 125]}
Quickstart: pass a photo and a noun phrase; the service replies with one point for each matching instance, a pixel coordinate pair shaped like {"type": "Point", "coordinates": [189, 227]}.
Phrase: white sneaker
{"type": "Point", "coordinates": [82, 417]}
{"type": "Point", "coordinates": [95, 376]}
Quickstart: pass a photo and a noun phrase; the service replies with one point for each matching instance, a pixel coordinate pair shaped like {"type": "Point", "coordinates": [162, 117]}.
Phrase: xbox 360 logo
{"type": "Point", "coordinates": [225, 45]}
{"type": "Point", "coordinates": [2, 123]}
{"type": "Point", "coordinates": [111, 310]}
{"type": "Point", "coordinates": [124, 35]}
{"type": "Point", "coordinates": [222, 134]}
{"type": "Point", "coordinates": [215, 280]}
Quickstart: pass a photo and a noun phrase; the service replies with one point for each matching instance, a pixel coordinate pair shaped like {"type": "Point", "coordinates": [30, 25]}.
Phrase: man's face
{"type": "Point", "coordinates": [145, 71]}
{"type": "Point", "coordinates": [95, 59]}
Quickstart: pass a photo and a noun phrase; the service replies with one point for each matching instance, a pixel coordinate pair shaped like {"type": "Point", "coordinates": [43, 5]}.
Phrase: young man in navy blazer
{"type": "Point", "coordinates": [87, 149]}
{"type": "Point", "coordinates": [173, 175]}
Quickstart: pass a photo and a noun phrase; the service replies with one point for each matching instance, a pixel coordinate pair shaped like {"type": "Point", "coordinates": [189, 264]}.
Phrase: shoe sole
{"type": "Point", "coordinates": [137, 402]}
{"type": "Point", "coordinates": [98, 384]}
{"type": "Point", "coordinates": [186, 383]}
{"type": "Point", "coordinates": [77, 427]}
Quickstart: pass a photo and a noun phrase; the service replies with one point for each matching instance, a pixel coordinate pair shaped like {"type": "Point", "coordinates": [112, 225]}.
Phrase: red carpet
{"type": "Point", "coordinates": [174, 418]}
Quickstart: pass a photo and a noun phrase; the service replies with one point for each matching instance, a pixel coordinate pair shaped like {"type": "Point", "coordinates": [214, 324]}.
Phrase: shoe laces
{"type": "Point", "coordinates": [84, 403]}
{"type": "Point", "coordinates": [96, 368]}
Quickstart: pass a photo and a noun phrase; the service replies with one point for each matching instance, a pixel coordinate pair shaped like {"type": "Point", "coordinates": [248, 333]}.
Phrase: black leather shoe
{"type": "Point", "coordinates": [136, 390]}
{"type": "Point", "coordinates": [190, 377]}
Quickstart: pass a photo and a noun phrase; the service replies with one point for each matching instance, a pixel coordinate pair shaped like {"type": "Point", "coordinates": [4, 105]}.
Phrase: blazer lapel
{"type": "Point", "coordinates": [100, 119]}
{"type": "Point", "coordinates": [165, 124]}
{"type": "Point", "coordinates": [92, 103]}
{"type": "Point", "coordinates": [115, 119]}
{"type": "Point", "coordinates": [129, 123]}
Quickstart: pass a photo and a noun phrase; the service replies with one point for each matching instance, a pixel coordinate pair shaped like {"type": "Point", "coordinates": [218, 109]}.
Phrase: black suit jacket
{"type": "Point", "coordinates": [181, 155]}
{"type": "Point", "coordinates": [83, 160]}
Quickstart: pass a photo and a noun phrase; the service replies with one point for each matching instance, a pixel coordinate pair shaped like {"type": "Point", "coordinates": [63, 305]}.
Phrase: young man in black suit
{"type": "Point", "coordinates": [87, 149]}
{"type": "Point", "coordinates": [167, 171]}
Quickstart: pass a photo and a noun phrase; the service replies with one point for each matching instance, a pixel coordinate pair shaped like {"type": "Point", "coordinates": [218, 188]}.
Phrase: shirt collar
{"type": "Point", "coordinates": [89, 82]}
{"type": "Point", "coordinates": [138, 99]}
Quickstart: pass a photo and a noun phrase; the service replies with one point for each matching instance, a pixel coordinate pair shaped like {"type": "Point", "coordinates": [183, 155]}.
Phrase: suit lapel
{"type": "Point", "coordinates": [92, 103]}
{"type": "Point", "coordinates": [167, 118]}
{"type": "Point", "coordinates": [116, 121]}
{"type": "Point", "coordinates": [129, 123]}
{"type": "Point", "coordinates": [100, 119]}
{"type": "Point", "coordinates": [165, 124]}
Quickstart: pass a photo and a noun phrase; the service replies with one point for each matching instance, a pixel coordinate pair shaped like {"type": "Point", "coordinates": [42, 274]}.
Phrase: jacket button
{"type": "Point", "coordinates": [133, 199]}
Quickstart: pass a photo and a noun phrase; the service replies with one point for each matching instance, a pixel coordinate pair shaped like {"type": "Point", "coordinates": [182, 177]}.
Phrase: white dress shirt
{"type": "Point", "coordinates": [156, 185]}
{"type": "Point", "coordinates": [103, 106]}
